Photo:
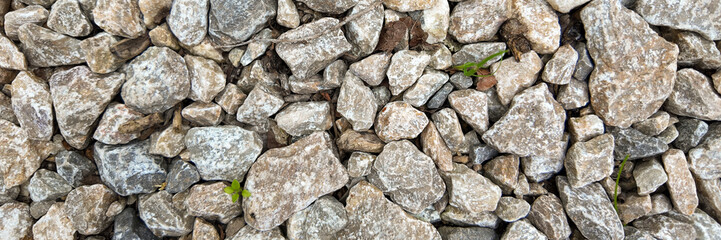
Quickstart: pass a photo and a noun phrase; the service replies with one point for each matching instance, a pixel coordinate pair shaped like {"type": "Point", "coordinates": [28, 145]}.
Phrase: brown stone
{"type": "Point", "coordinates": [680, 182]}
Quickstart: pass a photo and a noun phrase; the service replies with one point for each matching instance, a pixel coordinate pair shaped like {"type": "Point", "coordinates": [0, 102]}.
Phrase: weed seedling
{"type": "Point", "coordinates": [470, 69]}
{"type": "Point", "coordinates": [235, 191]}
{"type": "Point", "coordinates": [618, 178]}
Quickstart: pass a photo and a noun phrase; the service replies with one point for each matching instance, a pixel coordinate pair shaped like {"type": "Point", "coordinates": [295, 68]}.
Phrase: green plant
{"type": "Point", "coordinates": [236, 191]}
{"type": "Point", "coordinates": [470, 69]}
{"type": "Point", "coordinates": [618, 178]}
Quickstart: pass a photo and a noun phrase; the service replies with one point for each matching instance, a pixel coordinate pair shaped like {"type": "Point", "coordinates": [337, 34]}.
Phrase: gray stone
{"type": "Point", "coordinates": [210, 202]}
{"type": "Point", "coordinates": [478, 20]}
{"type": "Point", "coordinates": [591, 210]}
{"type": "Point", "coordinates": [660, 204]}
{"type": "Point", "coordinates": [109, 129]}
{"type": "Point", "coordinates": [425, 87]}
{"type": "Point", "coordinates": [10, 55]}
{"type": "Point", "coordinates": [584, 66]}
{"type": "Point", "coordinates": [512, 209]}
{"type": "Point", "coordinates": [590, 161]}
{"type": "Point", "coordinates": [161, 36]}
{"type": "Point", "coordinates": [542, 28]}
{"type": "Point", "coordinates": [441, 57]}
{"type": "Point", "coordinates": [303, 118]}
{"type": "Point", "coordinates": [254, 74]}
{"type": "Point", "coordinates": [364, 32]}
{"type": "Point", "coordinates": [18, 156]}
{"type": "Point", "coordinates": [16, 222]}
{"type": "Point", "coordinates": [287, 14]}
{"type": "Point", "coordinates": [399, 120]}
{"type": "Point", "coordinates": [336, 7]}
{"type": "Point", "coordinates": [33, 14]}
{"type": "Point", "coordinates": [39, 209]}
{"type": "Point", "coordinates": [356, 103]}
{"type": "Point", "coordinates": [206, 78]}
{"type": "Point", "coordinates": [694, 50]}
{"type": "Point", "coordinates": [503, 170]}
{"type": "Point", "coordinates": [382, 95]}
{"type": "Point", "coordinates": [286, 180]}
{"type": "Point", "coordinates": [663, 226]}
{"type": "Point", "coordinates": [321, 220]}
{"type": "Point", "coordinates": [409, 6]}
{"type": "Point", "coordinates": [98, 54]}
{"type": "Point", "coordinates": [670, 14]}
{"type": "Point", "coordinates": [405, 68]}
{"type": "Point", "coordinates": [631, 142]}
{"type": "Point", "coordinates": [709, 195]}
{"type": "Point", "coordinates": [168, 142]}
{"type": "Point", "coordinates": [54, 225]}
{"type": "Point", "coordinates": [633, 207]}
{"type": "Point", "coordinates": [119, 17]}
{"type": "Point", "coordinates": [634, 66]}
{"type": "Point", "coordinates": [67, 17]}
{"type": "Point", "coordinates": [8, 194]}
{"type": "Point", "coordinates": [461, 233]}
{"type": "Point", "coordinates": [513, 77]}
{"type": "Point", "coordinates": [461, 81]}
{"type": "Point", "coordinates": [372, 69]}
{"type": "Point", "coordinates": [539, 168]}
{"type": "Point", "coordinates": [706, 227]}
{"type": "Point", "coordinates": [368, 209]}
{"type": "Point", "coordinates": [6, 109]}
{"type": "Point", "coordinates": [435, 147]}
{"type": "Point", "coordinates": [565, 6]}
{"type": "Point", "coordinates": [128, 226]}
{"type": "Point", "coordinates": [188, 20]}
{"type": "Point", "coordinates": [469, 191]}
{"type": "Point", "coordinates": [307, 59]}
{"type": "Point", "coordinates": [539, 116]}
{"type": "Point", "coordinates": [161, 217]}
{"type": "Point", "coordinates": [47, 185]}
{"type": "Point", "coordinates": [203, 114]}
{"type": "Point", "coordinates": [704, 160]}
{"type": "Point", "coordinates": [181, 176]}
{"type": "Point", "coordinates": [230, 98]}
{"type": "Point", "coordinates": [476, 52]}
{"type": "Point", "coordinates": [156, 80]}
{"type": "Point", "coordinates": [45, 48]}
{"type": "Point", "coordinates": [632, 233]}
{"type": "Point", "coordinates": [224, 152]}
{"type": "Point", "coordinates": [654, 125]}
{"type": "Point", "coordinates": [669, 135]}
{"type": "Point", "coordinates": [586, 127]}
{"type": "Point", "coordinates": [472, 106]}
{"type": "Point", "coordinates": [129, 169]}
{"type": "Point", "coordinates": [334, 74]}
{"type": "Point", "coordinates": [33, 106]}
{"type": "Point", "coordinates": [690, 133]}
{"type": "Point", "coordinates": [693, 96]}
{"type": "Point", "coordinates": [359, 164]}
{"type": "Point", "coordinates": [559, 70]}
{"type": "Point", "coordinates": [573, 95]}
{"type": "Point", "coordinates": [86, 207]}
{"type": "Point", "coordinates": [450, 130]}
{"type": "Point", "coordinates": [522, 230]}
{"type": "Point", "coordinates": [256, 49]}
{"type": "Point", "coordinates": [548, 216]}
{"type": "Point", "coordinates": [440, 97]}
{"type": "Point", "coordinates": [231, 22]}
{"type": "Point", "coordinates": [649, 175]}
{"type": "Point", "coordinates": [262, 102]}
{"type": "Point", "coordinates": [456, 216]}
{"type": "Point", "coordinates": [478, 154]}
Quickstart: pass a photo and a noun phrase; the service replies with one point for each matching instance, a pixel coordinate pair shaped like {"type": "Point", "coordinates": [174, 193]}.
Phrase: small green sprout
{"type": "Point", "coordinates": [618, 178]}
{"type": "Point", "coordinates": [235, 191]}
{"type": "Point", "coordinates": [470, 69]}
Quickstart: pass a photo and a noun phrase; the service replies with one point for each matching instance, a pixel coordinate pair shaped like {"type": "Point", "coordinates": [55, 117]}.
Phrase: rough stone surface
{"type": "Point", "coordinates": [709, 194]}
{"type": "Point", "coordinates": [690, 133]}
{"type": "Point", "coordinates": [109, 132]}
{"type": "Point", "coordinates": [680, 182]}
{"type": "Point", "coordinates": [425, 87]}
{"type": "Point", "coordinates": [631, 142]}
{"type": "Point", "coordinates": [224, 152]}
{"type": "Point", "coordinates": [307, 59]}
{"type": "Point", "coordinates": [188, 20]}
{"type": "Point", "coordinates": [359, 164]}
{"type": "Point", "coordinates": [86, 207]}
{"type": "Point", "coordinates": [399, 120]}
{"type": "Point", "coordinates": [573, 95]}
{"type": "Point", "coordinates": [585, 65]}
{"type": "Point", "coordinates": [674, 15]}
{"type": "Point", "coordinates": [565, 6]}
{"type": "Point", "coordinates": [543, 30]}
{"type": "Point", "coordinates": [250, 233]}
{"type": "Point", "coordinates": [371, 215]}
{"type": "Point", "coordinates": [450, 129]}
{"type": "Point", "coordinates": [435, 21]}
{"type": "Point", "coordinates": [321, 220]}
{"type": "Point", "coordinates": [47, 185]}
{"type": "Point", "coordinates": [147, 90]}
{"type": "Point", "coordinates": [287, 14]}
{"type": "Point", "coordinates": [513, 77]}
{"type": "Point", "coordinates": [405, 68]}
{"type": "Point", "coordinates": [649, 175]}
{"type": "Point", "coordinates": [204, 230]}
{"type": "Point", "coordinates": [203, 114]}
{"type": "Point", "coordinates": [478, 20]}
{"type": "Point", "coordinates": [654, 125]}
{"type": "Point", "coordinates": [119, 17]}
{"type": "Point", "coordinates": [522, 230]}
{"type": "Point", "coordinates": [372, 69]}
{"type": "Point", "coordinates": [211, 203]}
{"type": "Point", "coordinates": [440, 97]}
{"type": "Point", "coordinates": [458, 233]}
{"type": "Point", "coordinates": [98, 55]}
{"type": "Point", "coordinates": [231, 22]}
{"type": "Point", "coordinates": [586, 127]}
{"type": "Point", "coordinates": [503, 170]}
{"type": "Point", "coordinates": [666, 226]}
{"type": "Point", "coordinates": [74, 167]}
{"type": "Point", "coordinates": [351, 141]}
{"type": "Point", "coordinates": [548, 216]}
{"type": "Point", "coordinates": [408, 176]}
{"type": "Point", "coordinates": [533, 124]}
{"type": "Point", "coordinates": [633, 207]}
{"type": "Point", "coordinates": [6, 109]}
{"type": "Point", "coordinates": [303, 118]}
{"type": "Point", "coordinates": [45, 48]}
{"type": "Point", "coordinates": [634, 66]}
{"type": "Point", "coordinates": [10, 55]}
{"type": "Point", "coordinates": [35, 15]}
{"type": "Point", "coordinates": [364, 32]}
{"type": "Point", "coordinates": [512, 209]}
{"type": "Point", "coordinates": [33, 106]}
{"type": "Point", "coordinates": [694, 96]}
{"type": "Point", "coordinates": [706, 227]}
{"type": "Point", "coordinates": [154, 11]}
{"type": "Point", "coordinates": [18, 157]}
{"type": "Point", "coordinates": [230, 98]}
{"type": "Point", "coordinates": [181, 176]}
{"type": "Point", "coordinates": [54, 225]}
{"type": "Point", "coordinates": [161, 217]}
{"type": "Point", "coordinates": [559, 70]}
{"type": "Point", "coordinates": [458, 217]}
{"type": "Point", "coordinates": [161, 36]}
{"type": "Point", "coordinates": [472, 106]}
{"type": "Point", "coordinates": [129, 169]}
{"type": "Point", "coordinates": [591, 210]}
{"type": "Point", "coordinates": [285, 180]}
{"type": "Point", "coordinates": [206, 78]}
{"type": "Point", "coordinates": [435, 147]}
{"type": "Point", "coordinates": [469, 191]}
{"type": "Point", "coordinates": [67, 17]}
{"type": "Point", "coordinates": [168, 142]}
{"type": "Point", "coordinates": [16, 222]}
{"type": "Point", "coordinates": [660, 204]}
{"type": "Point", "coordinates": [590, 161]}
{"type": "Point", "coordinates": [262, 102]}
{"type": "Point", "coordinates": [694, 50]}
{"type": "Point", "coordinates": [480, 153]}
{"type": "Point", "coordinates": [461, 81]}
{"type": "Point", "coordinates": [256, 49]}
{"type": "Point", "coordinates": [476, 52]}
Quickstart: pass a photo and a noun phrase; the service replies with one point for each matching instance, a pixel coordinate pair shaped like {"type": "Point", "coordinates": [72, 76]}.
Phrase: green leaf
{"type": "Point", "coordinates": [228, 190]}
{"type": "Point", "coordinates": [482, 63]}
{"type": "Point", "coordinates": [245, 193]}
{"type": "Point", "coordinates": [236, 185]}
{"type": "Point", "coordinates": [235, 197]}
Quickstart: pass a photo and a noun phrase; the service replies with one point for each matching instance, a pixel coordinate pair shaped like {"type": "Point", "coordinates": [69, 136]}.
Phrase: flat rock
{"type": "Point", "coordinates": [169, 142]}
{"type": "Point", "coordinates": [513, 77]}
{"type": "Point", "coordinates": [303, 118]}
{"type": "Point", "coordinates": [440, 97]}
{"type": "Point", "coordinates": [156, 80]}
{"type": "Point", "coordinates": [405, 68]}
{"type": "Point", "coordinates": [408, 176]}
{"type": "Point", "coordinates": [661, 204]}
{"type": "Point", "coordinates": [522, 230]}
{"type": "Point", "coordinates": [47, 185]}
{"type": "Point", "coordinates": [372, 69]}
{"type": "Point", "coordinates": [591, 210]}
{"type": "Point", "coordinates": [10, 55]}
{"type": "Point", "coordinates": [86, 207]}
{"type": "Point", "coordinates": [573, 95]}
{"type": "Point", "coordinates": [458, 217]}
{"type": "Point", "coordinates": [542, 28]}
{"type": "Point", "coordinates": [431, 80]}
{"type": "Point", "coordinates": [286, 180]}
{"type": "Point", "coordinates": [33, 106]}
{"type": "Point", "coordinates": [694, 96]}
{"type": "Point", "coordinates": [476, 52]}
{"type": "Point", "coordinates": [527, 132]}
{"type": "Point", "coordinates": [356, 103]}
{"type": "Point", "coordinates": [98, 54]}
{"type": "Point", "coordinates": [129, 226]}
{"type": "Point", "coordinates": [512, 209]}
{"type": "Point", "coordinates": [435, 147]}
{"type": "Point", "coordinates": [45, 48]}
{"type": "Point", "coordinates": [435, 21]}
{"type": "Point", "coordinates": [181, 175]}
{"type": "Point", "coordinates": [665, 226]}
{"type": "Point", "coordinates": [39, 209]}
{"type": "Point", "coordinates": [649, 175]}
{"type": "Point", "coordinates": [631, 142]}
{"type": "Point", "coordinates": [54, 225]}
{"type": "Point", "coordinates": [16, 222]}
{"type": "Point", "coordinates": [548, 216]}
{"type": "Point", "coordinates": [203, 114]}
{"type": "Point", "coordinates": [206, 78]}
{"type": "Point", "coordinates": [371, 215]}
{"type": "Point", "coordinates": [478, 20]}
{"type": "Point", "coordinates": [79, 97]}
{"type": "Point", "coordinates": [161, 217]}
{"type": "Point", "coordinates": [664, 13]}
{"type": "Point", "coordinates": [449, 127]}
{"type": "Point", "coordinates": [399, 120]}
{"type": "Point", "coordinates": [210, 202]}
{"type": "Point", "coordinates": [364, 32]}
{"type": "Point", "coordinates": [307, 59]}
{"type": "Point", "coordinates": [590, 161]}
{"type": "Point", "coordinates": [129, 169]}
{"type": "Point", "coordinates": [459, 233]}
{"type": "Point", "coordinates": [119, 17]}
{"type": "Point", "coordinates": [108, 130]}
{"type": "Point", "coordinates": [32, 14]}
{"type": "Point", "coordinates": [74, 167]}
{"type": "Point", "coordinates": [669, 135]}
{"type": "Point", "coordinates": [231, 22]}
{"type": "Point", "coordinates": [565, 6]}
{"type": "Point", "coordinates": [18, 157]}
{"type": "Point", "coordinates": [690, 133]}
{"type": "Point", "coordinates": [67, 17]}
{"type": "Point", "coordinates": [224, 152]}
{"type": "Point", "coordinates": [350, 141]}
{"type": "Point", "coordinates": [559, 70]}
{"type": "Point", "coordinates": [469, 191]}
{"type": "Point", "coordinates": [188, 20]}
{"type": "Point", "coordinates": [287, 14]}
{"type": "Point", "coordinates": [472, 106]}
{"type": "Point", "coordinates": [695, 50]}
{"type": "Point", "coordinates": [321, 220]}
{"type": "Point", "coordinates": [262, 102]}
{"type": "Point", "coordinates": [634, 66]}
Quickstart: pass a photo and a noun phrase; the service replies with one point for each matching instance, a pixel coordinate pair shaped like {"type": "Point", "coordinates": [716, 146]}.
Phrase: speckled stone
{"type": "Point", "coordinates": [307, 59]}
{"type": "Point", "coordinates": [206, 78]}
{"type": "Point", "coordinates": [119, 17]}
{"type": "Point", "coordinates": [108, 131]}
{"type": "Point", "coordinates": [399, 120]}
{"type": "Point", "coordinates": [181, 176]}
{"type": "Point", "coordinates": [522, 230]}
{"type": "Point", "coordinates": [649, 175]}
{"type": "Point", "coordinates": [634, 206]}
{"type": "Point", "coordinates": [586, 127]}
{"type": "Point", "coordinates": [503, 170]}
{"type": "Point", "coordinates": [435, 147]}
{"type": "Point", "coordinates": [129, 169]}
{"type": "Point", "coordinates": [431, 80]}
{"type": "Point", "coordinates": [472, 106]}
{"type": "Point", "coordinates": [231, 22]}
{"type": "Point", "coordinates": [321, 220]}
{"type": "Point", "coordinates": [667, 226]}
{"type": "Point", "coordinates": [695, 50]}
{"type": "Point", "coordinates": [694, 96]}
{"type": "Point", "coordinates": [86, 207]}
{"type": "Point", "coordinates": [372, 69]}
{"type": "Point", "coordinates": [46, 48]}
{"type": "Point", "coordinates": [67, 17]}
{"type": "Point", "coordinates": [161, 36]}
{"type": "Point", "coordinates": [559, 70]}
{"type": "Point", "coordinates": [409, 5]}
{"type": "Point", "coordinates": [512, 209]}
{"type": "Point", "coordinates": [660, 204]}
{"type": "Point", "coordinates": [542, 28]}
{"type": "Point", "coordinates": [573, 95]}
{"type": "Point", "coordinates": [631, 142]}
{"type": "Point", "coordinates": [161, 217]}
{"type": "Point", "coordinates": [98, 55]}
{"type": "Point", "coordinates": [680, 183]}
{"type": "Point", "coordinates": [55, 224]}
{"type": "Point", "coordinates": [188, 20]}
{"type": "Point", "coordinates": [470, 191]}
{"type": "Point", "coordinates": [256, 49]}
{"type": "Point", "coordinates": [210, 202]}
{"type": "Point", "coordinates": [230, 98]}
{"type": "Point", "coordinates": [478, 20]}
{"type": "Point", "coordinates": [303, 118]}
{"type": "Point", "coordinates": [405, 68]}
{"type": "Point", "coordinates": [250, 233]}
{"type": "Point", "coordinates": [364, 32]}
{"type": "Point", "coordinates": [674, 15]}
{"type": "Point", "coordinates": [33, 14]}
{"type": "Point", "coordinates": [548, 216]}
{"type": "Point", "coordinates": [18, 158]}
{"type": "Point", "coordinates": [10, 55]}
{"type": "Point", "coordinates": [169, 142]}
{"type": "Point", "coordinates": [585, 65]}
{"type": "Point", "coordinates": [203, 114]}
{"type": "Point", "coordinates": [350, 141]}
{"type": "Point", "coordinates": [156, 80]}
{"type": "Point", "coordinates": [204, 230]}
{"type": "Point", "coordinates": [74, 168]}
{"type": "Point", "coordinates": [476, 52]}
{"type": "Point", "coordinates": [591, 210]}
{"type": "Point", "coordinates": [458, 233]}
{"type": "Point", "coordinates": [435, 21]}
{"type": "Point", "coordinates": [359, 164]}
{"type": "Point", "coordinates": [16, 222]}
{"type": "Point", "coordinates": [513, 77]}
{"type": "Point", "coordinates": [33, 106]}
{"type": "Point", "coordinates": [458, 217]}
{"type": "Point", "coordinates": [590, 161]}
{"type": "Point", "coordinates": [449, 127]}
{"type": "Point", "coordinates": [154, 11]}
{"type": "Point", "coordinates": [262, 102]}
{"type": "Point", "coordinates": [287, 14]}
{"type": "Point", "coordinates": [706, 227]}
{"type": "Point", "coordinates": [47, 185]}
{"type": "Point", "coordinates": [654, 125]}
{"type": "Point", "coordinates": [223, 152]}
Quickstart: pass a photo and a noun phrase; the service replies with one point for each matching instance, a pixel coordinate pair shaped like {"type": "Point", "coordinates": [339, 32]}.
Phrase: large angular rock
{"type": "Point", "coordinates": [533, 124]}
{"type": "Point", "coordinates": [541, 25]}
{"type": "Point", "coordinates": [674, 14]}
{"type": "Point", "coordinates": [690, 132]}
{"type": "Point", "coordinates": [548, 216]}
{"type": "Point", "coordinates": [86, 206]}
{"type": "Point", "coordinates": [591, 161]}
{"type": "Point", "coordinates": [33, 14]}
{"type": "Point", "coordinates": [45, 48]}
{"type": "Point", "coordinates": [16, 222]}
{"type": "Point", "coordinates": [649, 175]}
{"type": "Point", "coordinates": [667, 226]}
{"type": "Point", "coordinates": [33, 106]}
{"type": "Point", "coordinates": [364, 32]}
{"type": "Point", "coordinates": [694, 96]}
{"type": "Point", "coordinates": [372, 69]}
{"type": "Point", "coordinates": [47, 185]}
{"type": "Point", "coordinates": [706, 227]}
{"type": "Point", "coordinates": [321, 220]}
{"type": "Point", "coordinates": [79, 97]}
{"type": "Point", "coordinates": [478, 20]}
{"type": "Point", "coordinates": [10, 55]}
{"type": "Point", "coordinates": [161, 217]}
{"type": "Point", "coordinates": [472, 106]}
{"type": "Point", "coordinates": [591, 210]}
{"type": "Point", "coordinates": [129, 169]}
{"type": "Point", "coordinates": [224, 152]}
{"type": "Point", "coordinates": [156, 80]}
{"type": "Point", "coordinates": [98, 54]}
{"type": "Point", "coordinates": [408, 176]}
{"type": "Point", "coordinates": [262, 102]}
{"type": "Point", "coordinates": [399, 120]}
{"type": "Point", "coordinates": [371, 215]}
{"type": "Point", "coordinates": [304, 118]}
{"type": "Point", "coordinates": [450, 129]}
{"type": "Point", "coordinates": [67, 17]}
{"type": "Point", "coordinates": [470, 191]}
{"type": "Point", "coordinates": [18, 157]}
{"type": "Point", "coordinates": [119, 17]}
{"type": "Point", "coordinates": [307, 59]}
{"type": "Point", "coordinates": [425, 87]}
{"type": "Point", "coordinates": [129, 226]}
{"type": "Point", "coordinates": [694, 50]}
{"type": "Point", "coordinates": [406, 67]}
{"type": "Point", "coordinates": [188, 20]}
{"type": "Point", "coordinates": [513, 77]}
{"type": "Point", "coordinates": [356, 102]}
{"type": "Point", "coordinates": [206, 78]}
{"type": "Point", "coordinates": [74, 168]}
{"type": "Point", "coordinates": [635, 67]}
{"type": "Point", "coordinates": [55, 224]}
{"type": "Point", "coordinates": [210, 202]}
{"type": "Point", "coordinates": [635, 144]}
{"type": "Point", "coordinates": [231, 22]}
{"type": "Point", "coordinates": [285, 180]}
{"type": "Point", "coordinates": [181, 176]}
{"type": "Point", "coordinates": [109, 129]}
